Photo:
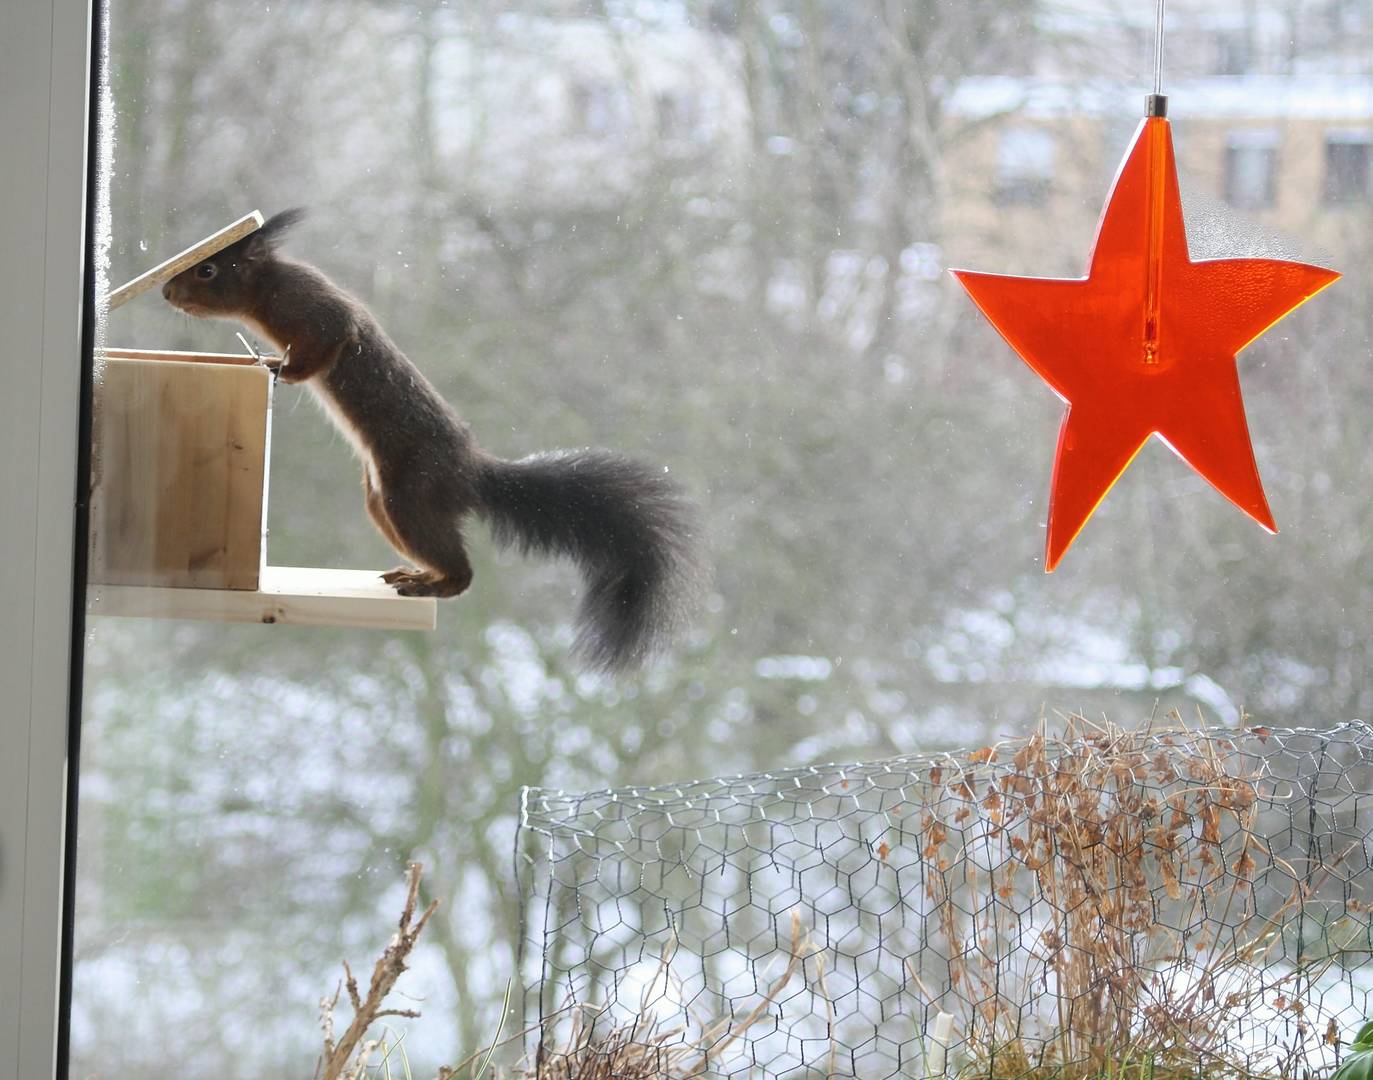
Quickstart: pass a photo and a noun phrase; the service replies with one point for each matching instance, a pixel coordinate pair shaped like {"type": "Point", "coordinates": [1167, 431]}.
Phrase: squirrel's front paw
{"type": "Point", "coordinates": [291, 373]}
{"type": "Point", "coordinates": [402, 574]}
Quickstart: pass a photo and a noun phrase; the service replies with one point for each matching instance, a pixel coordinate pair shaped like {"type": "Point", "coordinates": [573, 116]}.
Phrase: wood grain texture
{"type": "Point", "coordinates": [183, 454]}
{"type": "Point", "coordinates": [289, 596]}
{"type": "Point", "coordinates": [241, 359]}
{"type": "Point", "coordinates": [165, 271]}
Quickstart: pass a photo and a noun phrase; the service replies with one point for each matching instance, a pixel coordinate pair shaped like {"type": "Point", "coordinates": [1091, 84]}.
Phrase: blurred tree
{"type": "Point", "coordinates": [708, 234]}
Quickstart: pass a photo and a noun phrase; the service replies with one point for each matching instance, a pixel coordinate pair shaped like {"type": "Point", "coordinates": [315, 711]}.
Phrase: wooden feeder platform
{"type": "Point", "coordinates": [286, 595]}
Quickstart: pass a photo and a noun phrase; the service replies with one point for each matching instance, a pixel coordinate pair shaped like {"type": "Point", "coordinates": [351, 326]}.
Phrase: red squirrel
{"type": "Point", "coordinates": [627, 527]}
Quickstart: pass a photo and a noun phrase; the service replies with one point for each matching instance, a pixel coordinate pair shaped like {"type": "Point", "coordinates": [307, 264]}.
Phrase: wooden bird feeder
{"type": "Point", "coordinates": [179, 499]}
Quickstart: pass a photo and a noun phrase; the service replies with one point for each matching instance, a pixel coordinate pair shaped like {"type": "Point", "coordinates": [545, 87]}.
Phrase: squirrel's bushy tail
{"type": "Point", "coordinates": [626, 526]}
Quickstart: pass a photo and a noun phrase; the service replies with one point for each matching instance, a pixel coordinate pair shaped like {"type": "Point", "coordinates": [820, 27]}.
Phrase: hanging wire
{"type": "Point", "coordinates": [1158, 50]}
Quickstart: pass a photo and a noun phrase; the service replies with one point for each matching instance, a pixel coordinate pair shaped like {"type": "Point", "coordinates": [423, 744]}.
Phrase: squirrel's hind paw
{"type": "Point", "coordinates": [426, 583]}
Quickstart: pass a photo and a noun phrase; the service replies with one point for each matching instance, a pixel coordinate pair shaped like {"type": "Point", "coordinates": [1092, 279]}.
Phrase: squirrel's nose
{"type": "Point", "coordinates": [167, 291]}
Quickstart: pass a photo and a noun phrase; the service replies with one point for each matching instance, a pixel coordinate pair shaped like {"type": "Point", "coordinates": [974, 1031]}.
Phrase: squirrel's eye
{"type": "Point", "coordinates": [205, 271]}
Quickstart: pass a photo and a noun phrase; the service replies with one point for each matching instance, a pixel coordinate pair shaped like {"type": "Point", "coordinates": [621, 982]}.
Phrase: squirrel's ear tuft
{"type": "Point", "coordinates": [261, 243]}
{"type": "Point", "coordinates": [278, 224]}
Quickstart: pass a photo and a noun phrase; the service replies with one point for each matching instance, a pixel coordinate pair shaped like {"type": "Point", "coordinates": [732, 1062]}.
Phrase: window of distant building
{"type": "Point", "coordinates": [1346, 16]}
{"type": "Point", "coordinates": [1234, 53]}
{"type": "Point", "coordinates": [1251, 169]}
{"type": "Point", "coordinates": [680, 114]}
{"type": "Point", "coordinates": [598, 109]}
{"type": "Point", "coordinates": [1025, 159]}
{"type": "Point", "coordinates": [1348, 166]}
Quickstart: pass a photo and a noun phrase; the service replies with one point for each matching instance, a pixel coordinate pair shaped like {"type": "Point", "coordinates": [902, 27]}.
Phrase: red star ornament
{"type": "Point", "coordinates": [1145, 344]}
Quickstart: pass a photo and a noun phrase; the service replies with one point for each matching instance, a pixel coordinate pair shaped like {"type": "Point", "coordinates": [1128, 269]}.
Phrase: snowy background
{"type": "Point", "coordinates": [710, 234]}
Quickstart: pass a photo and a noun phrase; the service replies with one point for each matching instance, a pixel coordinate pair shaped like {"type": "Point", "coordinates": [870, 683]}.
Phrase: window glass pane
{"type": "Point", "coordinates": [710, 236]}
{"type": "Point", "coordinates": [1347, 166]}
{"type": "Point", "coordinates": [1025, 164]}
{"type": "Point", "coordinates": [1251, 168]}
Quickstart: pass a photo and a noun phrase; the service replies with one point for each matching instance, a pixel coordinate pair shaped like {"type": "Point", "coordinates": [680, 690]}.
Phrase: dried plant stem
{"type": "Point", "coordinates": [345, 1059]}
{"type": "Point", "coordinates": [641, 1048]}
{"type": "Point", "coordinates": [1072, 827]}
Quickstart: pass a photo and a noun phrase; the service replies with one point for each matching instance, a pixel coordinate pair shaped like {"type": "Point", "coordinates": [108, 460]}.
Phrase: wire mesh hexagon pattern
{"type": "Point", "coordinates": [1107, 901]}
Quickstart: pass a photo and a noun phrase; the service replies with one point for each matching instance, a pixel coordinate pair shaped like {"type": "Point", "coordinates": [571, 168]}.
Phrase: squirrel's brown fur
{"type": "Point", "coordinates": [625, 524]}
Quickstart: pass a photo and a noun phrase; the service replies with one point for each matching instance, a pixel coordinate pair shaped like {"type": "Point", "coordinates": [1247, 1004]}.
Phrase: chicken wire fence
{"type": "Point", "coordinates": [1169, 899]}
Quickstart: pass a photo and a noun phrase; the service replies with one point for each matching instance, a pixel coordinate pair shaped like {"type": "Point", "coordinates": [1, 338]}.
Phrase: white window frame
{"type": "Point", "coordinates": [44, 93]}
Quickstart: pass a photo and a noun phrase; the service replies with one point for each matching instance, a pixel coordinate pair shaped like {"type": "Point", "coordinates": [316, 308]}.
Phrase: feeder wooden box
{"type": "Point", "coordinates": [182, 459]}
{"type": "Point", "coordinates": [179, 504]}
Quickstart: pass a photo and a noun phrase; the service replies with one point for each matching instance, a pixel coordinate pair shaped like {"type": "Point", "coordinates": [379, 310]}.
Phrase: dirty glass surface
{"type": "Point", "coordinates": [711, 235]}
